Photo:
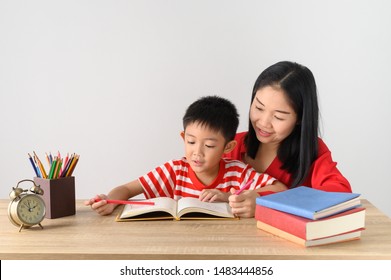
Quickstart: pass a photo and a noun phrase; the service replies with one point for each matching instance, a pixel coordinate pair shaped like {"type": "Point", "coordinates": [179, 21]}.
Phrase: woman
{"type": "Point", "coordinates": [282, 139]}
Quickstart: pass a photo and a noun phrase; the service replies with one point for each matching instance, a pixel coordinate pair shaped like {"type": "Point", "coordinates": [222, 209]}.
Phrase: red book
{"type": "Point", "coordinates": [308, 229]}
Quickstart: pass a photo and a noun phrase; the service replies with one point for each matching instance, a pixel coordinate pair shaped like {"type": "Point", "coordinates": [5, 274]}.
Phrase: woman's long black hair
{"type": "Point", "coordinates": [299, 150]}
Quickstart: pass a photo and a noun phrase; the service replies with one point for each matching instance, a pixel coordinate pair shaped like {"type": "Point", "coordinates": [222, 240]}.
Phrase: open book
{"type": "Point", "coordinates": [168, 208]}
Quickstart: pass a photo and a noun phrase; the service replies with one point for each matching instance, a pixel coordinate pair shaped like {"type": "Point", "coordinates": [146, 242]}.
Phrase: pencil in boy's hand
{"type": "Point", "coordinates": [114, 201]}
{"type": "Point", "coordinates": [245, 187]}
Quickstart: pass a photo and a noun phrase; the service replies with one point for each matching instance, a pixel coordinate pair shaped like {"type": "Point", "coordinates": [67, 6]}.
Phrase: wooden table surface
{"type": "Point", "coordinates": [87, 235]}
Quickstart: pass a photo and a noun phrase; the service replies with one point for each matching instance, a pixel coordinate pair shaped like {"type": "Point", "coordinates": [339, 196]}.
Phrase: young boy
{"type": "Point", "coordinates": [210, 125]}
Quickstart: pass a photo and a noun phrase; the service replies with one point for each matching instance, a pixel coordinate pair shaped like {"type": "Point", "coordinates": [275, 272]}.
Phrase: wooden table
{"type": "Point", "coordinates": [87, 235]}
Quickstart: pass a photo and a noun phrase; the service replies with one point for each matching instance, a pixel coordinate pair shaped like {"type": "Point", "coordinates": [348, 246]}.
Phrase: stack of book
{"type": "Point", "coordinates": [311, 217]}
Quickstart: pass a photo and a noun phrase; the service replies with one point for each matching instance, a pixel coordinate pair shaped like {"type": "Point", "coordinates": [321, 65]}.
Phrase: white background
{"type": "Point", "coordinates": [110, 80]}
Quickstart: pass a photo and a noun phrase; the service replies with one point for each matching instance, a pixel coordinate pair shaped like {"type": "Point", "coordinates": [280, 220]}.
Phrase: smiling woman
{"type": "Point", "coordinates": [272, 116]}
{"type": "Point", "coordinates": [282, 139]}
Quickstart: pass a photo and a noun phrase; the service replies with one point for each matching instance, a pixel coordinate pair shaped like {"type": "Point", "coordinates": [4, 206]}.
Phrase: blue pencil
{"type": "Point", "coordinates": [34, 167]}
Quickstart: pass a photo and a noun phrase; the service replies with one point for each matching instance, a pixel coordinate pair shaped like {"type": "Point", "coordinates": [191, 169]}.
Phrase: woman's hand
{"type": "Point", "coordinates": [243, 205]}
{"type": "Point", "coordinates": [101, 207]}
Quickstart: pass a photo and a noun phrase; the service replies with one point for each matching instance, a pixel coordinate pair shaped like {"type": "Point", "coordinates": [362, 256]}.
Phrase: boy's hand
{"type": "Point", "coordinates": [210, 195]}
{"type": "Point", "coordinates": [101, 207]}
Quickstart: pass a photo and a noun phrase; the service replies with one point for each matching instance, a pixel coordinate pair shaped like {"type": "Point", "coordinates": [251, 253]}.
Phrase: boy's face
{"type": "Point", "coordinates": [203, 149]}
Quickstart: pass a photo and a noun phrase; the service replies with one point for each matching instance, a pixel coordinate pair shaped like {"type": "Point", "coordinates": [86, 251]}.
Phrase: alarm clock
{"type": "Point", "coordinates": [26, 208]}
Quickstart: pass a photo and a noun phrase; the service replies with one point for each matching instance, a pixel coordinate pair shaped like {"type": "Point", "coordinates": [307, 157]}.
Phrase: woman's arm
{"type": "Point", "coordinates": [326, 176]}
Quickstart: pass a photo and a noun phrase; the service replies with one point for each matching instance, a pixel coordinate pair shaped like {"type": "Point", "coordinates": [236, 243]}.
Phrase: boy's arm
{"type": "Point", "coordinates": [126, 191]}
{"type": "Point", "coordinates": [123, 192]}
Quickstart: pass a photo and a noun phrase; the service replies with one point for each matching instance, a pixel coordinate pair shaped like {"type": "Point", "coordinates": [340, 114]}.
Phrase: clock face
{"type": "Point", "coordinates": [31, 209]}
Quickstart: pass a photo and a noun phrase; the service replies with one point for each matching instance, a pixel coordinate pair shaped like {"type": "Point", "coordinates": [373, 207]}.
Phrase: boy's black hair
{"type": "Point", "coordinates": [214, 112]}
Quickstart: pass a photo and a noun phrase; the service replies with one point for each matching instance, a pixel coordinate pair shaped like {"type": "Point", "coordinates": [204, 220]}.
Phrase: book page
{"type": "Point", "coordinates": [188, 205]}
{"type": "Point", "coordinates": [162, 204]}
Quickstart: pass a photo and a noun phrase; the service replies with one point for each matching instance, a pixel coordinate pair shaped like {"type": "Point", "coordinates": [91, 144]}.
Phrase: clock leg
{"type": "Point", "coordinates": [21, 227]}
{"type": "Point", "coordinates": [40, 225]}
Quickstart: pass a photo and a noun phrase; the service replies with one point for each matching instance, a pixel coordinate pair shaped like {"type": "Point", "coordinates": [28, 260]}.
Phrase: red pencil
{"type": "Point", "coordinates": [126, 201]}
{"type": "Point", "coordinates": [245, 187]}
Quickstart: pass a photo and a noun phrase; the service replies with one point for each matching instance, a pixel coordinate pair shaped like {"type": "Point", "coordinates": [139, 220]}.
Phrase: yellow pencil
{"type": "Point", "coordinates": [57, 170]}
{"type": "Point", "coordinates": [72, 166]}
{"type": "Point", "coordinates": [43, 170]}
{"type": "Point", "coordinates": [40, 166]}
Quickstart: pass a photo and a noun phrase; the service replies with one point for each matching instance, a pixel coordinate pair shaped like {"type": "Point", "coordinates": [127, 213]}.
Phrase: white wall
{"type": "Point", "coordinates": [110, 80]}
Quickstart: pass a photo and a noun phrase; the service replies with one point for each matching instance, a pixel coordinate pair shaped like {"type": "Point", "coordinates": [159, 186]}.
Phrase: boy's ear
{"type": "Point", "coordinates": [183, 135]}
{"type": "Point", "coordinates": [230, 146]}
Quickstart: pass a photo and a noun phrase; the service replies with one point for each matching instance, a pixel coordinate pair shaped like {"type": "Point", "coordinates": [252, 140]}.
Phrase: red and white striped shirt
{"type": "Point", "coordinates": [176, 179]}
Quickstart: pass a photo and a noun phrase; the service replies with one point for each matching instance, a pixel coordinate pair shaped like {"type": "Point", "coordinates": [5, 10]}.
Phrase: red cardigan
{"type": "Point", "coordinates": [324, 174]}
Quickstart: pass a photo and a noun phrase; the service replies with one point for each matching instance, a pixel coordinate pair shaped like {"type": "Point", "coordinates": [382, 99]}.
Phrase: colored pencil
{"type": "Point", "coordinates": [58, 167]}
{"type": "Point", "coordinates": [73, 165]}
{"type": "Point", "coordinates": [40, 166]}
{"type": "Point", "coordinates": [245, 187]}
{"type": "Point", "coordinates": [114, 201]}
{"type": "Point", "coordinates": [34, 167]}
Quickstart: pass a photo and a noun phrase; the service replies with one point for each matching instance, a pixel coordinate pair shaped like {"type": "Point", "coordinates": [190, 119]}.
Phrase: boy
{"type": "Point", "coordinates": [210, 125]}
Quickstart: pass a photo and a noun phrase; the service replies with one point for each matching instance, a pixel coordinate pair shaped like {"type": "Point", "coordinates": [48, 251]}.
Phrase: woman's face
{"type": "Point", "coordinates": [271, 115]}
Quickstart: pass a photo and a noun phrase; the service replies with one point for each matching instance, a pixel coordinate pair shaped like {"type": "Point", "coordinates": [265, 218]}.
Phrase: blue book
{"type": "Point", "coordinates": [310, 203]}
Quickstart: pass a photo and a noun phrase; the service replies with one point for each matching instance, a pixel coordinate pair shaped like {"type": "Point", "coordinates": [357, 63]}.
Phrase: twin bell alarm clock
{"type": "Point", "coordinates": [26, 208]}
